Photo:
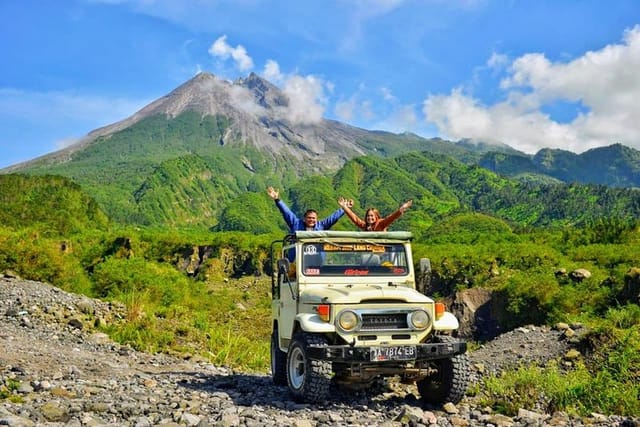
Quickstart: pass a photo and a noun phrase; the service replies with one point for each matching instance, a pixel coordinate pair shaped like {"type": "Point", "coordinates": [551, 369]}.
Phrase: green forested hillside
{"type": "Point", "coordinates": [52, 204]}
{"type": "Point", "coordinates": [168, 172]}
{"type": "Point", "coordinates": [439, 186]}
{"type": "Point", "coordinates": [615, 165]}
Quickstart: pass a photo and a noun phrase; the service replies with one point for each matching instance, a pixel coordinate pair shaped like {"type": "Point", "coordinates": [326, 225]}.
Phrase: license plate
{"type": "Point", "coordinates": [379, 354]}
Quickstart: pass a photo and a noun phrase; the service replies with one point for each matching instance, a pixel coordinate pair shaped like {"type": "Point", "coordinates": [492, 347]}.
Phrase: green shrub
{"type": "Point", "coordinates": [45, 259]}
{"type": "Point", "coordinates": [577, 391]}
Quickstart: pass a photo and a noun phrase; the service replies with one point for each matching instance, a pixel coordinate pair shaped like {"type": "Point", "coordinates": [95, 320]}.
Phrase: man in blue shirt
{"type": "Point", "coordinates": [310, 219]}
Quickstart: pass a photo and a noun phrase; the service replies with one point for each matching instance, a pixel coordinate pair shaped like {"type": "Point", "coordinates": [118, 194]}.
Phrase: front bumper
{"type": "Point", "coordinates": [349, 354]}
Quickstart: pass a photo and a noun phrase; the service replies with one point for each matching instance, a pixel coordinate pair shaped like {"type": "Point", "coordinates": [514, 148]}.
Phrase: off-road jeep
{"type": "Point", "coordinates": [345, 309]}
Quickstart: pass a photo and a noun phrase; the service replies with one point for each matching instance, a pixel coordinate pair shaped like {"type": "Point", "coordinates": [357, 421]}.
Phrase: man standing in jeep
{"type": "Point", "coordinates": [310, 220]}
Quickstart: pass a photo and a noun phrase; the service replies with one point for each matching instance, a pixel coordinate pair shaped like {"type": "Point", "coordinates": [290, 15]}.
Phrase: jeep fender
{"type": "Point", "coordinates": [448, 322]}
{"type": "Point", "coordinates": [310, 322]}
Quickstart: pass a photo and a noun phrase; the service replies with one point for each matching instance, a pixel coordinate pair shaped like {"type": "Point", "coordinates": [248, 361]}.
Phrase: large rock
{"type": "Point", "coordinates": [479, 313]}
{"type": "Point", "coordinates": [579, 274]}
{"type": "Point", "coordinates": [631, 290]}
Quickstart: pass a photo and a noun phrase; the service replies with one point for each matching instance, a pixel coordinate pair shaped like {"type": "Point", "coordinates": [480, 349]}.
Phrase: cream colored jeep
{"type": "Point", "coordinates": [345, 309]}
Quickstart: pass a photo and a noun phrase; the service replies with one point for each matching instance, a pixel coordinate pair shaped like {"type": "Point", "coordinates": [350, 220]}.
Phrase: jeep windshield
{"type": "Point", "coordinates": [335, 258]}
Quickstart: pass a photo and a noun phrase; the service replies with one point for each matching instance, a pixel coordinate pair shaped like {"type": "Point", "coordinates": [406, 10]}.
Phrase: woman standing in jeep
{"type": "Point", "coordinates": [372, 220]}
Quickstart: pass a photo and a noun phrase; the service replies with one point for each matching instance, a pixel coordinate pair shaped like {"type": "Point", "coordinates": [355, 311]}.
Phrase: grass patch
{"type": "Point", "coordinates": [229, 348]}
{"type": "Point", "coordinates": [228, 323]}
{"type": "Point", "coordinates": [608, 382]}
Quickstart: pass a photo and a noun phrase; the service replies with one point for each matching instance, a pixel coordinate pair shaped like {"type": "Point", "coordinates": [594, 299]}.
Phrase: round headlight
{"type": "Point", "coordinates": [419, 319]}
{"type": "Point", "coordinates": [347, 320]}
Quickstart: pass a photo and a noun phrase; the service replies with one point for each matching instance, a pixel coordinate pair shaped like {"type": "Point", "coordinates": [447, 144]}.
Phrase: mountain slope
{"type": "Point", "coordinates": [440, 187]}
{"type": "Point", "coordinates": [250, 112]}
{"type": "Point", "coordinates": [180, 159]}
{"type": "Point", "coordinates": [185, 158]}
{"type": "Point", "coordinates": [615, 165]}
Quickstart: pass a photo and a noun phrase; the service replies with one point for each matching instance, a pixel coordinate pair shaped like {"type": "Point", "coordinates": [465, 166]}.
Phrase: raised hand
{"type": "Point", "coordinates": [273, 193]}
{"type": "Point", "coordinates": [345, 203]}
{"type": "Point", "coordinates": [406, 205]}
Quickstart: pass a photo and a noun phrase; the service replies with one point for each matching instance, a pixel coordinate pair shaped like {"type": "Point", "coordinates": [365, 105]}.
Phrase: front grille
{"type": "Point", "coordinates": [367, 337]}
{"type": "Point", "coordinates": [384, 321]}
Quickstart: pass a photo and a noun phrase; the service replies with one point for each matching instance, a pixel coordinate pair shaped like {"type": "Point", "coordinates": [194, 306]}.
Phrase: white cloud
{"type": "Point", "coordinates": [356, 108]}
{"type": "Point", "coordinates": [65, 142]}
{"type": "Point", "coordinates": [604, 83]}
{"type": "Point", "coordinates": [220, 48]}
{"type": "Point", "coordinates": [405, 117]}
{"type": "Point", "coordinates": [459, 116]}
{"type": "Point", "coordinates": [306, 93]}
{"type": "Point", "coordinates": [345, 110]}
{"type": "Point", "coordinates": [497, 61]}
{"type": "Point", "coordinates": [402, 118]}
{"type": "Point", "coordinates": [243, 99]}
{"type": "Point", "coordinates": [272, 71]}
{"type": "Point", "coordinates": [387, 94]}
{"type": "Point", "coordinates": [306, 98]}
{"type": "Point", "coordinates": [366, 110]}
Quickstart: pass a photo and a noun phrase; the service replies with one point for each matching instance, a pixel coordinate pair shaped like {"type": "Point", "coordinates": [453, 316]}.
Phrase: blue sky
{"type": "Point", "coordinates": [531, 74]}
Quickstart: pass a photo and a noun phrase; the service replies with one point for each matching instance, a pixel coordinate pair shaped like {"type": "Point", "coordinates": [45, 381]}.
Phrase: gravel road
{"type": "Point", "coordinates": [57, 370]}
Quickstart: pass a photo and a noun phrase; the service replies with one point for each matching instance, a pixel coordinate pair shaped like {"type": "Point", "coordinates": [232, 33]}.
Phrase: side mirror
{"type": "Point", "coordinates": [425, 266]}
{"type": "Point", "coordinates": [424, 281]}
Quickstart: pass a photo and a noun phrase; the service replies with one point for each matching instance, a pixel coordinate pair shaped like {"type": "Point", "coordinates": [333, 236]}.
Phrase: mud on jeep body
{"type": "Point", "coordinates": [345, 309]}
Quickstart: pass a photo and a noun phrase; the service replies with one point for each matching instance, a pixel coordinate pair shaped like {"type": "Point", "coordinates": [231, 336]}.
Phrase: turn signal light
{"type": "Point", "coordinates": [324, 311]}
{"type": "Point", "coordinates": [440, 309]}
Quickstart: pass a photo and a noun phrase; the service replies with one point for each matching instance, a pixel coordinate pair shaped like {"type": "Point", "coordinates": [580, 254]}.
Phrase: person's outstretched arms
{"type": "Point", "coordinates": [386, 221]}
{"type": "Point", "coordinates": [289, 217]}
{"type": "Point", "coordinates": [346, 206]}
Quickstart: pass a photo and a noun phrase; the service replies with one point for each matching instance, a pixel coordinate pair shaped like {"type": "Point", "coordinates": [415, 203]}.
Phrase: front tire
{"type": "Point", "coordinates": [308, 379]}
{"type": "Point", "coordinates": [278, 360]}
{"type": "Point", "coordinates": [451, 381]}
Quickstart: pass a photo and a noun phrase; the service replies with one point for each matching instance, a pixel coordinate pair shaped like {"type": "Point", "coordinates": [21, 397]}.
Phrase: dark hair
{"type": "Point", "coordinates": [310, 211]}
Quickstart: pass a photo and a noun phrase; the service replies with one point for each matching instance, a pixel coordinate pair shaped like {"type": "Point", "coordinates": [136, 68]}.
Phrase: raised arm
{"type": "Point", "coordinates": [328, 222]}
{"type": "Point", "coordinates": [386, 221]}
{"type": "Point", "coordinates": [346, 206]}
{"type": "Point", "coordinates": [289, 217]}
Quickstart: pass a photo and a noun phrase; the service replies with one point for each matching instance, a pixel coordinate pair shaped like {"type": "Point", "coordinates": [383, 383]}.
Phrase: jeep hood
{"type": "Point", "coordinates": [343, 294]}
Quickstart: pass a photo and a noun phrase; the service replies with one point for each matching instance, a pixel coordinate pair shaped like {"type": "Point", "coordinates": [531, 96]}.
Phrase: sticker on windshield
{"type": "Point", "coordinates": [310, 250]}
{"type": "Point", "coordinates": [352, 247]}
{"type": "Point", "coordinates": [355, 272]}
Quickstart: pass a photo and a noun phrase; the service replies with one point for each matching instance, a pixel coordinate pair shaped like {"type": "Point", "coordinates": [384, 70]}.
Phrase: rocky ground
{"type": "Point", "coordinates": [56, 370]}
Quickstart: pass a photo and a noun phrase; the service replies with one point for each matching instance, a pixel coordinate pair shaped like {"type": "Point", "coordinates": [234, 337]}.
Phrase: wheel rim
{"type": "Point", "coordinates": [296, 367]}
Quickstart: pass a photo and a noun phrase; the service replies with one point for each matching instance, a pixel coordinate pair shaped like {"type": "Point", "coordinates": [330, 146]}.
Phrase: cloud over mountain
{"type": "Point", "coordinates": [601, 86]}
